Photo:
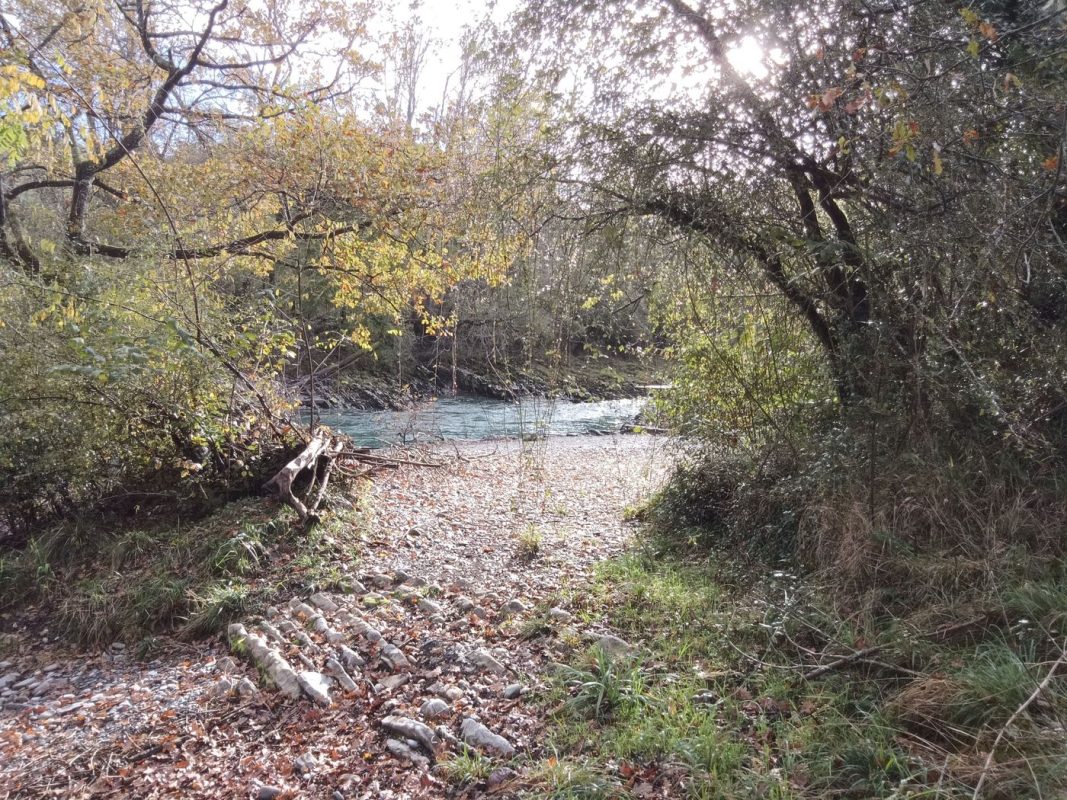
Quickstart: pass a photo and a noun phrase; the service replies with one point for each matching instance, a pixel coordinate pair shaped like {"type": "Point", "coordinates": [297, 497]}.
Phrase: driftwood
{"type": "Point", "coordinates": [865, 656]}
{"type": "Point", "coordinates": [318, 457]}
{"type": "Point", "coordinates": [322, 455]}
{"type": "Point", "coordinates": [364, 455]}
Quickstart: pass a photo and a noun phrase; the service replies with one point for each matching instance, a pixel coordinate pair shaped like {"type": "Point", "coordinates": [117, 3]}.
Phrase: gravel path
{"type": "Point", "coordinates": [473, 517]}
{"type": "Point", "coordinates": [438, 635]}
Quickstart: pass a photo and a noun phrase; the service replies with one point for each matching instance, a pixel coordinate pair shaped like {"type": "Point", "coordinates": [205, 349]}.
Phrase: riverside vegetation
{"type": "Point", "coordinates": [836, 229]}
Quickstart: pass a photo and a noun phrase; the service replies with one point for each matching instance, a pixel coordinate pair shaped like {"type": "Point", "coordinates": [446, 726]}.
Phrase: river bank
{"type": "Point", "coordinates": [454, 567]}
{"type": "Point", "coordinates": [378, 387]}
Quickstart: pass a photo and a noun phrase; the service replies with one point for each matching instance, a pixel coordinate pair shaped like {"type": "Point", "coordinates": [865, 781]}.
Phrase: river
{"type": "Point", "coordinates": [468, 417]}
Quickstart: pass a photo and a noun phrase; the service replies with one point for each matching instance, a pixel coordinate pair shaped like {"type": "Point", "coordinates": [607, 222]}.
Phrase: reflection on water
{"type": "Point", "coordinates": [481, 418]}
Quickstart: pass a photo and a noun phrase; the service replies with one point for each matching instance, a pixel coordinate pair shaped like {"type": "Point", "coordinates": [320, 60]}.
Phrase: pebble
{"type": "Point", "coordinates": [268, 793]}
{"type": "Point", "coordinates": [477, 735]}
{"type": "Point", "coordinates": [559, 615]}
{"type": "Point", "coordinates": [405, 753]}
{"type": "Point", "coordinates": [614, 646]}
{"type": "Point", "coordinates": [393, 657]}
{"type": "Point", "coordinates": [411, 729]}
{"type": "Point", "coordinates": [513, 607]}
{"type": "Point", "coordinates": [428, 606]}
{"type": "Point", "coordinates": [464, 604]}
{"type": "Point", "coordinates": [512, 691]}
{"type": "Point", "coordinates": [434, 708]}
{"type": "Point", "coordinates": [485, 660]}
{"type": "Point", "coordinates": [246, 688]}
{"type": "Point", "coordinates": [305, 764]}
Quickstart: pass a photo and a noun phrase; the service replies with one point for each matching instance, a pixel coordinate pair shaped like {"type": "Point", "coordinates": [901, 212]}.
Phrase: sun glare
{"type": "Point", "coordinates": [748, 58]}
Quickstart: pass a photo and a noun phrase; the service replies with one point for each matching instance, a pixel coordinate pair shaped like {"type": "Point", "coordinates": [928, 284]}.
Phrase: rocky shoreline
{"type": "Point", "coordinates": [468, 592]}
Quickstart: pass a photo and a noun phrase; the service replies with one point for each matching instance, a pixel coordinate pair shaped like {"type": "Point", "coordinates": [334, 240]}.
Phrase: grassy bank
{"type": "Point", "coordinates": [93, 583]}
{"type": "Point", "coordinates": [751, 683]}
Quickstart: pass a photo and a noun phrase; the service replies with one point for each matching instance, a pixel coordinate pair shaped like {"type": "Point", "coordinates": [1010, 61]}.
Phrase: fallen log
{"type": "Point", "coordinates": [318, 457]}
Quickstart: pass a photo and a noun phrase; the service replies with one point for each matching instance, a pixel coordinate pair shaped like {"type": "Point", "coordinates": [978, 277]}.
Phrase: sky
{"type": "Point", "coordinates": [445, 21]}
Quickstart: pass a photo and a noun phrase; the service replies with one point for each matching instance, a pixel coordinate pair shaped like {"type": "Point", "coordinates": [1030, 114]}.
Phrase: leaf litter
{"type": "Point", "coordinates": [468, 589]}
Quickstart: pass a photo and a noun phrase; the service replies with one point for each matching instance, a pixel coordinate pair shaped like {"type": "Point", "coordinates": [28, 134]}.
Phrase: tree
{"type": "Point", "coordinates": [186, 183]}
{"type": "Point", "coordinates": [893, 170]}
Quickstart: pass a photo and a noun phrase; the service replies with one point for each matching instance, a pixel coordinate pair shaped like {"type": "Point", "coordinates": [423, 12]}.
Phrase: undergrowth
{"type": "Point", "coordinates": [190, 579]}
{"type": "Point", "coordinates": [724, 700]}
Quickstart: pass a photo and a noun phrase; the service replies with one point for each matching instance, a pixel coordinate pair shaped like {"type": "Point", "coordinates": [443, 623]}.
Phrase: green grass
{"type": "Point", "coordinates": [466, 767]}
{"type": "Point", "coordinates": [719, 707]}
{"type": "Point", "coordinates": [168, 576]}
{"type": "Point", "coordinates": [529, 543]}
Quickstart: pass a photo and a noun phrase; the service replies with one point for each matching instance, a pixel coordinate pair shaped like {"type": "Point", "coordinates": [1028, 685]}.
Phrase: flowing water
{"type": "Point", "coordinates": [482, 418]}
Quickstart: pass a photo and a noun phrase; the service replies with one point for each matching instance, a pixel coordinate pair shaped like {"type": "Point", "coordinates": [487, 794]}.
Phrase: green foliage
{"type": "Point", "coordinates": [466, 767]}
{"type": "Point", "coordinates": [724, 712]}
{"type": "Point", "coordinates": [529, 543]}
{"type": "Point", "coordinates": [605, 687]}
{"type": "Point", "coordinates": [240, 554]}
{"type": "Point", "coordinates": [103, 582]}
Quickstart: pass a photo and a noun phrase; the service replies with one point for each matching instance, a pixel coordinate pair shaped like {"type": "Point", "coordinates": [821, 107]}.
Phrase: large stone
{"type": "Point", "coordinates": [393, 657]}
{"type": "Point", "coordinates": [392, 682]}
{"type": "Point", "coordinates": [323, 602]}
{"type": "Point", "coordinates": [427, 606]}
{"type": "Point", "coordinates": [379, 579]}
{"type": "Point", "coordinates": [301, 609]}
{"type": "Point", "coordinates": [434, 708]}
{"type": "Point", "coordinates": [305, 764]}
{"type": "Point", "coordinates": [270, 661]}
{"type": "Point", "coordinates": [288, 627]}
{"type": "Point", "coordinates": [338, 673]}
{"type": "Point", "coordinates": [224, 665]}
{"type": "Point", "coordinates": [246, 688]}
{"type": "Point", "coordinates": [405, 753]}
{"type": "Point", "coordinates": [223, 687]}
{"type": "Point", "coordinates": [501, 776]}
{"type": "Point", "coordinates": [350, 658]}
{"type": "Point", "coordinates": [613, 646]}
{"type": "Point", "coordinates": [316, 686]}
{"type": "Point", "coordinates": [513, 607]}
{"type": "Point", "coordinates": [464, 604]}
{"type": "Point", "coordinates": [411, 729]}
{"type": "Point", "coordinates": [559, 615]}
{"type": "Point", "coordinates": [482, 658]}
{"type": "Point", "coordinates": [368, 632]}
{"type": "Point", "coordinates": [477, 735]}
{"type": "Point", "coordinates": [272, 632]}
